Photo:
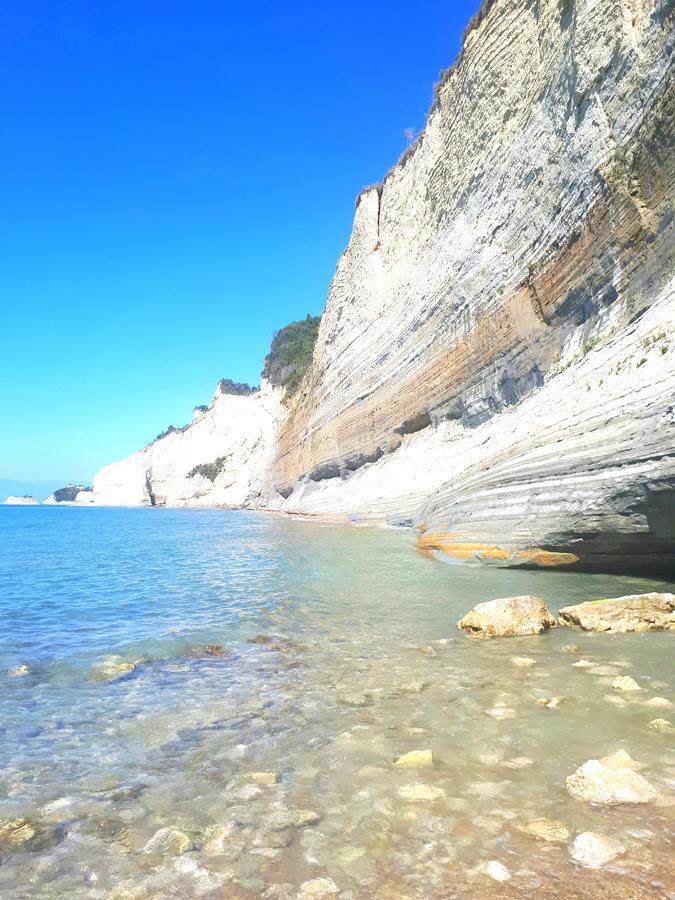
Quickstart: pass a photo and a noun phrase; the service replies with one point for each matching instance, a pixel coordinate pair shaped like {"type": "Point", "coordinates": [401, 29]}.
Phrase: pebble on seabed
{"type": "Point", "coordinates": [265, 778]}
{"type": "Point", "coordinates": [111, 669]}
{"type": "Point", "coordinates": [168, 840]}
{"type": "Point", "coordinates": [415, 758]}
{"type": "Point", "coordinates": [497, 871]}
{"type": "Point", "coordinates": [502, 712]}
{"type": "Point", "coordinates": [317, 889]}
{"type": "Point", "coordinates": [14, 832]}
{"type": "Point", "coordinates": [550, 702]}
{"type": "Point", "coordinates": [550, 830]}
{"type": "Point", "coordinates": [420, 792]}
{"type": "Point", "coordinates": [625, 683]}
{"type": "Point", "coordinates": [594, 850]}
{"type": "Point", "coordinates": [662, 725]}
{"type": "Point", "coordinates": [659, 702]}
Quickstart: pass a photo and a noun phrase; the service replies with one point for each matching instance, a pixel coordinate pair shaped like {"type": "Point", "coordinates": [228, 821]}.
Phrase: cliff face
{"type": "Point", "coordinates": [232, 439]}
{"type": "Point", "coordinates": [505, 295]}
{"type": "Point", "coordinates": [496, 359]}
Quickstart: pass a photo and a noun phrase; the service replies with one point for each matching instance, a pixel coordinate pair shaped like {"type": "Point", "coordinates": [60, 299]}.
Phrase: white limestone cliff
{"type": "Point", "coordinates": [21, 501]}
{"type": "Point", "coordinates": [495, 364]}
{"type": "Point", "coordinates": [237, 431]}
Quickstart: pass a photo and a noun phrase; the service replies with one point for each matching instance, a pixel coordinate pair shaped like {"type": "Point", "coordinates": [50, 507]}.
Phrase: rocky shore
{"type": "Point", "coordinates": [456, 765]}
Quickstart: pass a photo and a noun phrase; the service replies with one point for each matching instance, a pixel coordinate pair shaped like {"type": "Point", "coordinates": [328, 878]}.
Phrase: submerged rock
{"type": "Point", "coordinates": [202, 650]}
{"type": "Point", "coordinates": [634, 612]}
{"type": "Point", "coordinates": [414, 687]}
{"type": "Point", "coordinates": [279, 892]}
{"type": "Point", "coordinates": [625, 683]}
{"type": "Point", "coordinates": [18, 671]}
{"type": "Point", "coordinates": [265, 778]}
{"type": "Point", "coordinates": [551, 702]}
{"type": "Point", "coordinates": [620, 760]}
{"type": "Point", "coordinates": [604, 670]}
{"type": "Point", "coordinates": [415, 758]}
{"type": "Point", "coordinates": [427, 651]}
{"type": "Point", "coordinates": [285, 818]}
{"type": "Point", "coordinates": [508, 616]}
{"type": "Point", "coordinates": [112, 668]}
{"type": "Point", "coordinates": [246, 793]}
{"type": "Point", "coordinates": [14, 832]}
{"type": "Point", "coordinates": [497, 871]}
{"type": "Point", "coordinates": [502, 712]}
{"type": "Point", "coordinates": [550, 830]}
{"type": "Point", "coordinates": [218, 839]}
{"type": "Point", "coordinates": [317, 889]}
{"type": "Point", "coordinates": [594, 850]}
{"type": "Point", "coordinates": [659, 702]}
{"type": "Point", "coordinates": [518, 762]}
{"type": "Point", "coordinates": [598, 782]}
{"type": "Point", "coordinates": [662, 725]}
{"type": "Point", "coordinates": [357, 700]}
{"type": "Point", "coordinates": [420, 793]}
{"type": "Point", "coordinates": [523, 662]}
{"type": "Point", "coordinates": [169, 841]}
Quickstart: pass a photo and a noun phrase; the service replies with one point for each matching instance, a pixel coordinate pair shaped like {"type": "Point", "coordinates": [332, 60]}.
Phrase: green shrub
{"type": "Point", "coordinates": [227, 386]}
{"type": "Point", "coordinates": [291, 353]}
{"type": "Point", "coordinates": [209, 470]}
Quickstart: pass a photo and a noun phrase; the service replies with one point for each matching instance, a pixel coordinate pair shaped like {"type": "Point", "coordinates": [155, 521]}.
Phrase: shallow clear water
{"type": "Point", "coordinates": [99, 766]}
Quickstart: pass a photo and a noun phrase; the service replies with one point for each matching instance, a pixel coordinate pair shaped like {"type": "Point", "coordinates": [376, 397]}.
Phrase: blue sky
{"type": "Point", "coordinates": [178, 181]}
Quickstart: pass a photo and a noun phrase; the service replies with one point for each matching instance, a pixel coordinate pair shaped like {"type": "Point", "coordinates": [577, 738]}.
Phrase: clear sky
{"type": "Point", "coordinates": [178, 181]}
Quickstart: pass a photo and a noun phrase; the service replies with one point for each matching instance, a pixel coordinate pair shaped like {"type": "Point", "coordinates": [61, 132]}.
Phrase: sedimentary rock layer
{"type": "Point", "coordinates": [495, 364]}
{"type": "Point", "coordinates": [511, 260]}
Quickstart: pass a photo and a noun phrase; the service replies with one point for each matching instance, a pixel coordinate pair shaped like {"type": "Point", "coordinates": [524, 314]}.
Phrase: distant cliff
{"type": "Point", "coordinates": [219, 459]}
{"type": "Point", "coordinates": [495, 364]}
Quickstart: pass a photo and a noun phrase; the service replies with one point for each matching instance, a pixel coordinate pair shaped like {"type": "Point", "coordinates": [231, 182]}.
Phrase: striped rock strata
{"type": "Point", "coordinates": [495, 363]}
{"type": "Point", "coordinates": [496, 360]}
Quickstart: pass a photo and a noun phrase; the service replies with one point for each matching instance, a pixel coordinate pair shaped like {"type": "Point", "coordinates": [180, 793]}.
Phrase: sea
{"type": "Point", "coordinates": [211, 703]}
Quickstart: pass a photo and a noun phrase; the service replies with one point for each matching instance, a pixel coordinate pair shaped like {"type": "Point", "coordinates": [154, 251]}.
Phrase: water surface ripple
{"type": "Point", "coordinates": [334, 689]}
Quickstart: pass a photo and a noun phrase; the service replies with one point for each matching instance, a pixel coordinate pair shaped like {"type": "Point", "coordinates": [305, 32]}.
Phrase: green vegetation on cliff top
{"type": "Point", "coordinates": [238, 388]}
{"type": "Point", "coordinates": [291, 353]}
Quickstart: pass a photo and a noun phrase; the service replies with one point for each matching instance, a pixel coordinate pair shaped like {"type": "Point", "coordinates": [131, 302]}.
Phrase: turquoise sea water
{"type": "Point", "coordinates": [331, 692]}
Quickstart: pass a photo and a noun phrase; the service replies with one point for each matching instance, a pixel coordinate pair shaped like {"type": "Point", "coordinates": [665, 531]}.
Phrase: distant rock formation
{"type": "Point", "coordinates": [71, 493]}
{"type": "Point", "coordinates": [495, 364]}
{"type": "Point", "coordinates": [21, 501]}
